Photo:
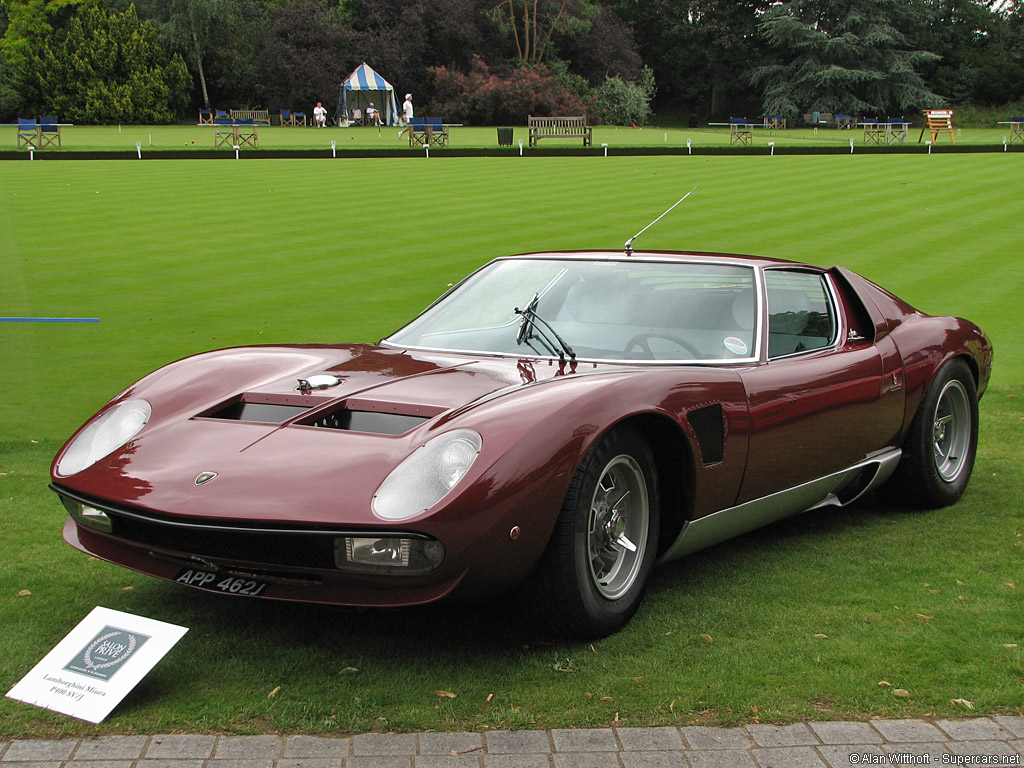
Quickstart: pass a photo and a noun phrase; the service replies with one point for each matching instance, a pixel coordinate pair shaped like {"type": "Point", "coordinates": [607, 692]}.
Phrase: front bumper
{"type": "Point", "coordinates": [294, 563]}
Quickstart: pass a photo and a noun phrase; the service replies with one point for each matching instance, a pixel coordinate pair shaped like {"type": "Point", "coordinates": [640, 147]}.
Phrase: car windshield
{"type": "Point", "coordinates": [607, 310]}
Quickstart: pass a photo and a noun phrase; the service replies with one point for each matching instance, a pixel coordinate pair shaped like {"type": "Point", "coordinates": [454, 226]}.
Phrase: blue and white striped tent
{"type": "Point", "coordinates": [363, 86]}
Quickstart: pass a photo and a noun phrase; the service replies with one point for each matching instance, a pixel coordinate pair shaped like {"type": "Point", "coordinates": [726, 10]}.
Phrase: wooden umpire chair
{"type": "Point", "coordinates": [938, 121]}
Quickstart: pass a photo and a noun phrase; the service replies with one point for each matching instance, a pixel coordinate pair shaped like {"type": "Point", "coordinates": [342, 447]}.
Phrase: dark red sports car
{"type": "Point", "coordinates": [563, 420]}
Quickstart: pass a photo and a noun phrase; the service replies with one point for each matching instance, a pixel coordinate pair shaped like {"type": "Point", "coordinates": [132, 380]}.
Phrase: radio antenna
{"type": "Point", "coordinates": [629, 243]}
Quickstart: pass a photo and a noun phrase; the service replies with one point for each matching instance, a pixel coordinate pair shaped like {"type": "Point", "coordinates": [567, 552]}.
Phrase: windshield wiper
{"type": "Point", "coordinates": [528, 329]}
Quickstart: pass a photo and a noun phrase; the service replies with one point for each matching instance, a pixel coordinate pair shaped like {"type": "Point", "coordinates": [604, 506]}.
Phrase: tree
{"type": "Point", "coordinates": [106, 68]}
{"type": "Point", "coordinates": [625, 103]}
{"type": "Point", "coordinates": [404, 39]}
{"type": "Point", "coordinates": [305, 54]}
{"type": "Point", "coordinates": [981, 58]}
{"type": "Point", "coordinates": [606, 49]}
{"type": "Point", "coordinates": [699, 51]}
{"type": "Point", "coordinates": [533, 23]}
{"type": "Point", "coordinates": [221, 41]}
{"type": "Point", "coordinates": [30, 23]}
{"type": "Point", "coordinates": [191, 28]}
{"type": "Point", "coordinates": [846, 56]}
{"type": "Point", "coordinates": [485, 98]}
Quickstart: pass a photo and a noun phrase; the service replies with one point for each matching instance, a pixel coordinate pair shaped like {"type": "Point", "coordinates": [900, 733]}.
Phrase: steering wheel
{"type": "Point", "coordinates": [641, 339]}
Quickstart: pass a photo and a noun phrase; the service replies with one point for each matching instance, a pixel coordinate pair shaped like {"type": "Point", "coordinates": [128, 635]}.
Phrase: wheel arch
{"type": "Point", "coordinates": [972, 366]}
{"type": "Point", "coordinates": [673, 458]}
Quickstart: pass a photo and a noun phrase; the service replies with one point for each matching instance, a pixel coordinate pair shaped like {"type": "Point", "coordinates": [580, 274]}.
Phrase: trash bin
{"type": "Point", "coordinates": [504, 137]}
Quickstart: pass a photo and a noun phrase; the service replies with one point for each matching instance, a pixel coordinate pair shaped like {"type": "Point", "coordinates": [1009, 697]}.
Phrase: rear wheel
{"type": "Point", "coordinates": [939, 449]}
{"type": "Point", "coordinates": [594, 572]}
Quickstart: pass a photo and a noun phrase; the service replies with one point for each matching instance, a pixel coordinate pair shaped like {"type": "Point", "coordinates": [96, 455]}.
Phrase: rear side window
{"type": "Point", "coordinates": [801, 317]}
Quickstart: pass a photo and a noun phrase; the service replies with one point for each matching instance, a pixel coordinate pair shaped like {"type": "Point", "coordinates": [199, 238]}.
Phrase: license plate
{"type": "Point", "coordinates": [218, 582]}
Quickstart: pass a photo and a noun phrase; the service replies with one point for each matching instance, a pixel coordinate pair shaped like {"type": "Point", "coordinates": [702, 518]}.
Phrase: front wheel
{"type": "Point", "coordinates": [594, 572]}
{"type": "Point", "coordinates": [939, 449]}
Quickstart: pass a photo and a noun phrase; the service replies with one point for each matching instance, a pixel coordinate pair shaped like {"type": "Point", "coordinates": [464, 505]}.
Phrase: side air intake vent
{"type": "Point", "coordinates": [709, 427]}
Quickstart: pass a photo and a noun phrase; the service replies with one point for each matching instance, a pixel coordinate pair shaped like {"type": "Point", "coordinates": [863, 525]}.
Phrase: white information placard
{"type": "Point", "coordinates": [97, 664]}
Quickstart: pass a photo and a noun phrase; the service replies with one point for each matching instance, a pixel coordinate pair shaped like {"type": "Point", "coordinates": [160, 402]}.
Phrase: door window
{"type": "Point", "coordinates": [801, 317]}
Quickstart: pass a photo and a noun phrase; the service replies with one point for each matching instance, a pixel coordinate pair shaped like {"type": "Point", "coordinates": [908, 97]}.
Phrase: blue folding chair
{"type": "Point", "coordinates": [225, 132]}
{"type": "Point", "coordinates": [28, 133]}
{"type": "Point", "coordinates": [436, 134]}
{"type": "Point", "coordinates": [49, 132]}
{"type": "Point", "coordinates": [740, 131]}
{"type": "Point", "coordinates": [874, 132]}
{"type": "Point", "coordinates": [897, 130]}
{"type": "Point", "coordinates": [246, 133]}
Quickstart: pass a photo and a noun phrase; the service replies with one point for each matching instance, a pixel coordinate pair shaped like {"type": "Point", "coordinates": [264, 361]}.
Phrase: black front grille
{"type": "Point", "coordinates": [302, 549]}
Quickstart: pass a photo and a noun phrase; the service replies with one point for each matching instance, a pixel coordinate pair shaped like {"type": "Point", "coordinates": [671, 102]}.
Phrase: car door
{"type": "Point", "coordinates": [828, 394]}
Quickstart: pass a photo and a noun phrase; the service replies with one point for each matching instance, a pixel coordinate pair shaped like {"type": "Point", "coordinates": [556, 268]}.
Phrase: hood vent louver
{"type": "Point", "coordinates": [263, 413]}
{"type": "Point", "coordinates": [373, 422]}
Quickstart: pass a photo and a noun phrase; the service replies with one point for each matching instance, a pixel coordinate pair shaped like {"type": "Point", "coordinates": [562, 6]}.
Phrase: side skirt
{"type": "Point", "coordinates": [838, 489]}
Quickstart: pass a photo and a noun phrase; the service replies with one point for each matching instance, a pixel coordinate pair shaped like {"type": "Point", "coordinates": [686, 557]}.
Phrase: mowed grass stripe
{"type": "Point", "coordinates": [179, 256]}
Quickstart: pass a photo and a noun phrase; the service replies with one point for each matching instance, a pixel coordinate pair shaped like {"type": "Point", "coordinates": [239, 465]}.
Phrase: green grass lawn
{"type": "Point", "coordinates": [194, 137]}
{"type": "Point", "coordinates": [176, 257]}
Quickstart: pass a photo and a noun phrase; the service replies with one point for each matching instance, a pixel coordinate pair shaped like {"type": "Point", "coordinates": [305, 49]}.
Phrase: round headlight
{"type": "Point", "coordinates": [103, 435]}
{"type": "Point", "coordinates": [424, 478]}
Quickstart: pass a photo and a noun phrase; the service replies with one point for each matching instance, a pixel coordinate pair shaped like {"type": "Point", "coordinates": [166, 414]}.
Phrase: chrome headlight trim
{"type": "Point", "coordinates": [427, 475]}
{"type": "Point", "coordinates": [104, 435]}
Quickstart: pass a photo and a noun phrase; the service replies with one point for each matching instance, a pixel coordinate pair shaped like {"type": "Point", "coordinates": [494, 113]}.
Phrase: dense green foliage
{"type": "Point", "coordinates": [853, 62]}
{"type": "Point", "coordinates": [624, 103]}
{"type": "Point", "coordinates": [108, 68]}
{"type": "Point", "coordinates": [100, 68]}
{"type": "Point", "coordinates": [709, 58]}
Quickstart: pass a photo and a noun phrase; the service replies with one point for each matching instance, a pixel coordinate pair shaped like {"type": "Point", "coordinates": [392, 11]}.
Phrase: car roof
{"type": "Point", "coordinates": [704, 257]}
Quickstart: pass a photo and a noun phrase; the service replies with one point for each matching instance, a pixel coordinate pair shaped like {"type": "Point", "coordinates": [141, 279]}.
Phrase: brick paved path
{"type": "Point", "coordinates": [810, 745]}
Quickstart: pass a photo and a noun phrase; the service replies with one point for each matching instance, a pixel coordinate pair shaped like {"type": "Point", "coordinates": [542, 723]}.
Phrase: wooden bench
{"type": "Point", "coordinates": [573, 127]}
{"type": "Point", "coordinates": [260, 116]}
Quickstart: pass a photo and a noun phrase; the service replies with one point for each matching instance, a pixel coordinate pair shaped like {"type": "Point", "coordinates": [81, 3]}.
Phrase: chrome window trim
{"type": "Point", "coordinates": [830, 293]}
{"type": "Point", "coordinates": [760, 301]}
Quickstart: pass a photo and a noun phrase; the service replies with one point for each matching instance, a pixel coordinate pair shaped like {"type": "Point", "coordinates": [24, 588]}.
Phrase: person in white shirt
{"type": "Point", "coordinates": [407, 109]}
{"type": "Point", "coordinates": [319, 115]}
{"type": "Point", "coordinates": [372, 115]}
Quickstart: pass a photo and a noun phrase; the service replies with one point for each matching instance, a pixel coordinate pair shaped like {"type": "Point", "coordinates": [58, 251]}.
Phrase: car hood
{"type": "Point", "coordinates": [284, 454]}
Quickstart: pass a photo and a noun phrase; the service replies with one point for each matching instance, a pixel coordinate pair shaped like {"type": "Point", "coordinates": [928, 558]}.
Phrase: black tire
{"type": "Point", "coordinates": [939, 449]}
{"type": "Point", "coordinates": [589, 583]}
